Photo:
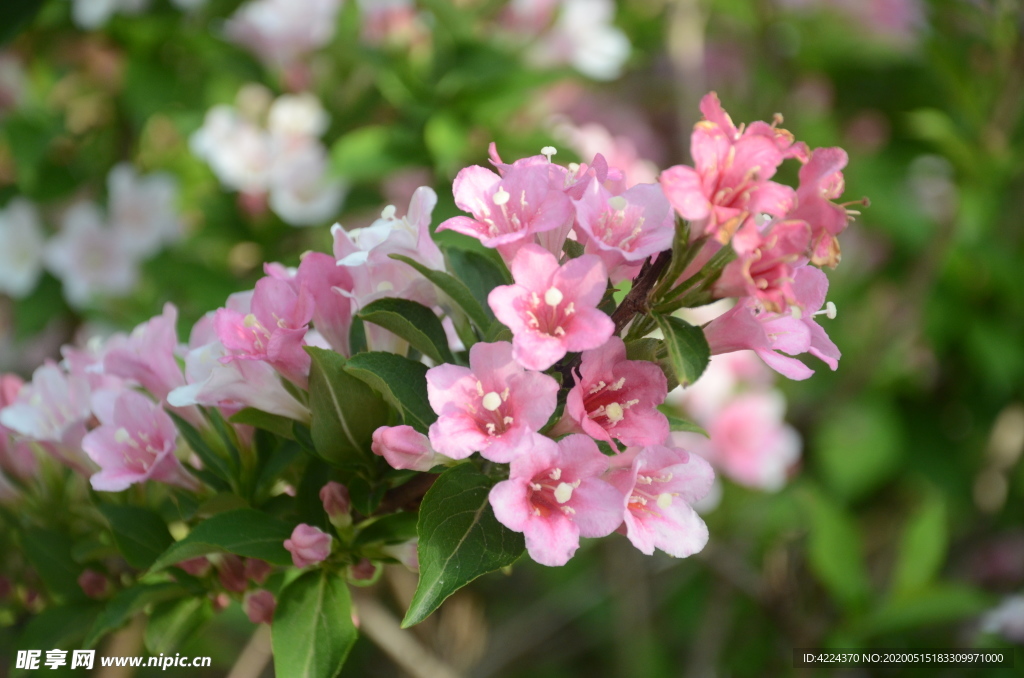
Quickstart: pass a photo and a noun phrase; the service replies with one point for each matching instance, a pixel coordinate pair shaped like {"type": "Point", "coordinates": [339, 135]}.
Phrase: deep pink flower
{"type": "Point", "coordinates": [405, 448]}
{"type": "Point", "coordinates": [260, 606]}
{"type": "Point", "coordinates": [308, 545]}
{"type": "Point", "coordinates": [659, 485]}
{"type": "Point", "coordinates": [821, 182]}
{"type": "Point", "coordinates": [729, 182]}
{"type": "Point", "coordinates": [490, 407]}
{"type": "Point", "coordinates": [617, 398]}
{"type": "Point", "coordinates": [625, 229]}
{"type": "Point", "coordinates": [747, 325]}
{"type": "Point", "coordinates": [552, 309]}
{"type": "Point", "coordinates": [273, 331]}
{"type": "Point", "coordinates": [766, 264]}
{"type": "Point", "coordinates": [554, 495]}
{"type": "Point", "coordinates": [510, 210]}
{"type": "Point", "coordinates": [135, 444]}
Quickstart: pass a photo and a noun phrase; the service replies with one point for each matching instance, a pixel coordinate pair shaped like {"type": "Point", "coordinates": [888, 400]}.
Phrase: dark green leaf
{"type": "Point", "coordinates": [391, 529]}
{"type": "Point", "coordinates": [688, 350]}
{"type": "Point", "coordinates": [50, 554]}
{"type": "Point", "coordinates": [459, 539]}
{"type": "Point", "coordinates": [366, 154]}
{"type": "Point", "coordinates": [345, 410]}
{"type": "Point", "coordinates": [313, 631]}
{"type": "Point", "coordinates": [244, 532]}
{"type": "Point", "coordinates": [140, 534]}
{"type": "Point", "coordinates": [216, 463]}
{"type": "Point", "coordinates": [15, 14]}
{"type": "Point", "coordinates": [413, 322]}
{"type": "Point", "coordinates": [933, 605]}
{"type": "Point", "coordinates": [174, 622]}
{"type": "Point", "coordinates": [401, 381]}
{"type": "Point", "coordinates": [480, 273]}
{"type": "Point", "coordinates": [456, 290]}
{"type": "Point", "coordinates": [858, 447]}
{"type": "Point", "coordinates": [922, 549]}
{"type": "Point", "coordinates": [63, 626]}
{"type": "Point", "coordinates": [275, 423]}
{"type": "Point", "coordinates": [126, 604]}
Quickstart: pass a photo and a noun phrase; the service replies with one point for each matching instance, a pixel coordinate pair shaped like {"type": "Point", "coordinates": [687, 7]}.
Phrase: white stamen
{"type": "Point", "coordinates": [250, 321]}
{"type": "Point", "coordinates": [501, 197]}
{"type": "Point", "coordinates": [664, 500]}
{"type": "Point", "coordinates": [568, 510]}
{"type": "Point", "coordinates": [385, 286]}
{"type": "Point", "coordinates": [388, 212]}
{"type": "Point", "coordinates": [574, 167]}
{"type": "Point", "coordinates": [614, 412]}
{"type": "Point", "coordinates": [796, 312]}
{"type": "Point", "coordinates": [491, 401]}
{"type": "Point", "coordinates": [563, 492]}
{"type": "Point", "coordinates": [553, 297]}
{"type": "Point", "coordinates": [556, 474]}
{"type": "Point", "coordinates": [617, 385]}
{"type": "Point", "coordinates": [122, 436]}
{"type": "Point", "coordinates": [508, 421]}
{"type": "Point", "coordinates": [536, 487]}
{"type": "Point", "coordinates": [830, 310]}
{"type": "Point", "coordinates": [548, 151]}
{"type": "Point", "coordinates": [617, 203]}
{"type": "Point", "coordinates": [479, 389]}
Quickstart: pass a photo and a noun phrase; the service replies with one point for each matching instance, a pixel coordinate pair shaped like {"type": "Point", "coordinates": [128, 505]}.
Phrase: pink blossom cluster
{"type": "Point", "coordinates": [93, 254]}
{"type": "Point", "coordinates": [270, 151]}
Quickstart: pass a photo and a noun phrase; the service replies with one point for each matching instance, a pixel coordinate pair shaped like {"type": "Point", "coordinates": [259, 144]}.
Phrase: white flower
{"type": "Point", "coordinates": [21, 248]}
{"type": "Point", "coordinates": [280, 31]}
{"type": "Point", "coordinates": [238, 151]}
{"type": "Point", "coordinates": [584, 37]}
{"type": "Point", "coordinates": [302, 194]}
{"type": "Point", "coordinates": [142, 209]}
{"type": "Point", "coordinates": [297, 115]}
{"type": "Point", "coordinates": [90, 14]}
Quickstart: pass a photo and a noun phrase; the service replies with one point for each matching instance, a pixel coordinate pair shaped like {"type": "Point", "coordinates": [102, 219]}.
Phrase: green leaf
{"type": "Point", "coordinates": [275, 423]}
{"type": "Point", "coordinates": [140, 534]}
{"type": "Point", "coordinates": [244, 532]}
{"type": "Point", "coordinates": [123, 606]}
{"type": "Point", "coordinates": [858, 447]}
{"type": "Point", "coordinates": [214, 462]}
{"type": "Point", "coordinates": [456, 291]}
{"type": "Point", "coordinates": [834, 550]}
{"type": "Point", "coordinates": [459, 539]}
{"type": "Point", "coordinates": [50, 554]}
{"type": "Point", "coordinates": [401, 381]}
{"type": "Point", "coordinates": [933, 605]}
{"type": "Point", "coordinates": [390, 529]}
{"type": "Point", "coordinates": [413, 322]}
{"type": "Point", "coordinates": [312, 631]}
{"type": "Point", "coordinates": [345, 410]}
{"type": "Point", "coordinates": [174, 622]}
{"type": "Point", "coordinates": [677, 423]}
{"type": "Point", "coordinates": [366, 154]}
{"type": "Point", "coordinates": [62, 627]}
{"type": "Point", "coordinates": [480, 273]}
{"type": "Point", "coordinates": [688, 350]}
{"type": "Point", "coordinates": [922, 549]}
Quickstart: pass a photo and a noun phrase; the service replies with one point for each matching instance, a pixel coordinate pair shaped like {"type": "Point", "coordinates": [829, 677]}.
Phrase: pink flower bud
{"type": "Point", "coordinates": [232, 574]}
{"type": "Point", "coordinates": [404, 448]}
{"type": "Point", "coordinates": [308, 545]}
{"type": "Point", "coordinates": [197, 567]}
{"type": "Point", "coordinates": [257, 570]}
{"type": "Point", "coordinates": [220, 601]}
{"type": "Point", "coordinates": [364, 570]}
{"type": "Point", "coordinates": [260, 606]}
{"type": "Point", "coordinates": [94, 584]}
{"type": "Point", "coordinates": [337, 503]}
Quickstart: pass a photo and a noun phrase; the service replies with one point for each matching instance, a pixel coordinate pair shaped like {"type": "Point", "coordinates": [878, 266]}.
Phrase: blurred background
{"type": "Point", "coordinates": [162, 151]}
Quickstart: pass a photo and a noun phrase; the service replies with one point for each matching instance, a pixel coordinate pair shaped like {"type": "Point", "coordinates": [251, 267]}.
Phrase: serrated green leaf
{"type": "Point", "coordinates": [123, 606]}
{"type": "Point", "coordinates": [922, 549]}
{"type": "Point", "coordinates": [413, 322]}
{"type": "Point", "coordinates": [173, 622]}
{"type": "Point", "coordinates": [459, 539]}
{"type": "Point", "coordinates": [244, 532]}
{"type": "Point", "coordinates": [275, 423]}
{"type": "Point", "coordinates": [402, 382]}
{"type": "Point", "coordinates": [312, 631]}
{"type": "Point", "coordinates": [687, 348]}
{"type": "Point", "coordinates": [456, 290]}
{"type": "Point", "coordinates": [140, 534]}
{"type": "Point", "coordinates": [345, 410]}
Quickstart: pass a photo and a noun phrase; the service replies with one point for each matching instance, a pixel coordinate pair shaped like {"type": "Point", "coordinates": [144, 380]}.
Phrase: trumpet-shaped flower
{"type": "Point", "coordinates": [555, 495]}
{"type": "Point", "coordinates": [766, 264]}
{"type": "Point", "coordinates": [405, 448]}
{"type": "Point", "coordinates": [490, 407]}
{"type": "Point", "coordinates": [552, 309]}
{"type": "Point", "coordinates": [821, 182]}
{"type": "Point", "coordinates": [147, 355]}
{"type": "Point", "coordinates": [330, 286]}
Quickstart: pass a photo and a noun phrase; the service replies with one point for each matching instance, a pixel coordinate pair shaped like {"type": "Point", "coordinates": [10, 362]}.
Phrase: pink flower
{"type": "Point", "coordinates": [231, 573]}
{"type": "Point", "coordinates": [747, 325]}
{"type": "Point", "coordinates": [405, 448]}
{"type": "Point", "coordinates": [133, 444]}
{"type": "Point", "coordinates": [147, 356]}
{"type": "Point", "coordinates": [142, 209]}
{"type": "Point", "coordinates": [730, 181]}
{"type": "Point", "coordinates": [617, 398]}
{"type": "Point", "coordinates": [659, 485]}
{"type": "Point", "coordinates": [821, 182]}
{"type": "Point", "coordinates": [260, 606]}
{"type": "Point", "coordinates": [625, 229]}
{"type": "Point", "coordinates": [257, 570]}
{"type": "Point", "coordinates": [766, 264]}
{"type": "Point", "coordinates": [750, 442]}
{"type": "Point", "coordinates": [308, 545]}
{"type": "Point", "coordinates": [554, 495]}
{"type": "Point", "coordinates": [332, 308]}
{"type": "Point", "coordinates": [337, 504]}
{"type": "Point", "coordinates": [273, 331]}
{"type": "Point", "coordinates": [16, 456]}
{"type": "Point", "coordinates": [510, 210]}
{"type": "Point", "coordinates": [490, 407]}
{"type": "Point", "coordinates": [552, 309]}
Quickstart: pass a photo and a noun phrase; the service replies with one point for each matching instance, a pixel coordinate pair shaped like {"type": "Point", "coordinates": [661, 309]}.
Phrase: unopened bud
{"type": "Point", "coordinates": [308, 545]}
{"type": "Point", "coordinates": [337, 504]}
{"type": "Point", "coordinates": [406, 448]}
{"type": "Point", "coordinates": [93, 584]}
{"type": "Point", "coordinates": [260, 606]}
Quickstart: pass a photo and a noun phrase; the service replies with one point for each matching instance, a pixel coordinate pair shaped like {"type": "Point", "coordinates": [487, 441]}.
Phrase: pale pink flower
{"type": "Point", "coordinates": [259, 606]}
{"type": "Point", "coordinates": [257, 570]}
{"type": "Point", "coordinates": [134, 445]}
{"type": "Point", "coordinates": [330, 286]}
{"type": "Point", "coordinates": [555, 494]}
{"type": "Point", "coordinates": [16, 456]}
{"type": "Point", "coordinates": [490, 407]}
{"type": "Point", "coordinates": [617, 398]}
{"type": "Point", "coordinates": [21, 248]}
{"type": "Point", "coordinates": [821, 182]}
{"type": "Point", "coordinates": [749, 326]}
{"type": "Point", "coordinates": [750, 441]}
{"type": "Point", "coordinates": [591, 138]}
{"type": "Point", "coordinates": [297, 116]}
{"type": "Point", "coordinates": [726, 375]}
{"type": "Point", "coordinates": [584, 37]}
{"type": "Point", "coordinates": [509, 210]}
{"type": "Point", "coordinates": [282, 31]}
{"type": "Point", "coordinates": [147, 355]}
{"type": "Point", "coordinates": [239, 152]}
{"type": "Point", "coordinates": [766, 263]}
{"type": "Point", "coordinates": [625, 229]}
{"type": "Point", "coordinates": [405, 448]}
{"type": "Point", "coordinates": [729, 183]}
{"type": "Point", "coordinates": [552, 309]}
{"type": "Point", "coordinates": [89, 258]}
{"type": "Point", "coordinates": [91, 14]}
{"type": "Point", "coordinates": [143, 213]}
{"type": "Point", "coordinates": [272, 331]}
{"type": "Point", "coordinates": [1007, 619]}
{"type": "Point", "coordinates": [308, 545]}
{"type": "Point", "coordinates": [302, 192]}
{"type": "Point", "coordinates": [659, 485]}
